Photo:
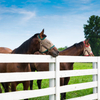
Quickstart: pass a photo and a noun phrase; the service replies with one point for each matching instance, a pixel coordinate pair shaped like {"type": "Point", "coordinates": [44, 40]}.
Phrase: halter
{"type": "Point", "coordinates": [87, 50]}
{"type": "Point", "coordinates": [45, 45]}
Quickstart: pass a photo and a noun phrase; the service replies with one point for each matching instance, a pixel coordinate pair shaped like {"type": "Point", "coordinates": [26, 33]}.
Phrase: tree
{"type": "Point", "coordinates": [62, 48]}
{"type": "Point", "coordinates": [92, 32]}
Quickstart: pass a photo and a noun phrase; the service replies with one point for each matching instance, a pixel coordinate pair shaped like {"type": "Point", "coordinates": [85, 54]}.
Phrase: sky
{"type": "Point", "coordinates": [62, 20]}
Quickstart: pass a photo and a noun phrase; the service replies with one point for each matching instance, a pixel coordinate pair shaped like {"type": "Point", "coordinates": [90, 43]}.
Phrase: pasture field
{"type": "Point", "coordinates": [73, 80]}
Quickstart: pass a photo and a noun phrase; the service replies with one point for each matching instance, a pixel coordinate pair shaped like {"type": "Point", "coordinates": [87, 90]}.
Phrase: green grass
{"type": "Point", "coordinates": [80, 79]}
{"type": "Point", "coordinates": [73, 80]}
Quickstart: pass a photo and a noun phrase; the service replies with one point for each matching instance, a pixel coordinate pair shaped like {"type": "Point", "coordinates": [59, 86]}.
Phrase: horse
{"type": "Point", "coordinates": [37, 42]}
{"type": "Point", "coordinates": [81, 48]}
{"type": "Point", "coordinates": [5, 50]}
{"type": "Point", "coordinates": [2, 65]}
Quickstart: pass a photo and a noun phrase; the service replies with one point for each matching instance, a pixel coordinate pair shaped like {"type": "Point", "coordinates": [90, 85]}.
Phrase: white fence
{"type": "Point", "coordinates": [53, 75]}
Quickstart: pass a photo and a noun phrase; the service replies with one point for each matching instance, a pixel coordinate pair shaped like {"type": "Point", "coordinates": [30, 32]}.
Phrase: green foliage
{"type": "Point", "coordinates": [62, 48]}
{"type": "Point", "coordinates": [92, 32]}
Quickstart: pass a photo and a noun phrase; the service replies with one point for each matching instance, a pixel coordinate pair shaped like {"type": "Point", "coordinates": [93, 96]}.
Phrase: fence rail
{"type": "Point", "coordinates": [54, 74]}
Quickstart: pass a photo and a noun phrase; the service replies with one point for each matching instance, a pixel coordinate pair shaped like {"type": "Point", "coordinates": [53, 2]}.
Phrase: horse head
{"type": "Point", "coordinates": [45, 45]}
{"type": "Point", "coordinates": [87, 49]}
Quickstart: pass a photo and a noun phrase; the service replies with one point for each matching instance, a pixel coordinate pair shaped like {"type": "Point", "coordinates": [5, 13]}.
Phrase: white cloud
{"type": "Point", "coordinates": [25, 15]}
{"type": "Point", "coordinates": [28, 15]}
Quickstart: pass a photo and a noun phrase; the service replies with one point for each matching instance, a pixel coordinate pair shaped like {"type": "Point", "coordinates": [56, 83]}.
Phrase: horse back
{"type": "Point", "coordinates": [5, 50]}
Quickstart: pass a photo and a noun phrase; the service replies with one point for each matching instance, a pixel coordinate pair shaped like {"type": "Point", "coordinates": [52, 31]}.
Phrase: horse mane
{"type": "Point", "coordinates": [77, 45]}
{"type": "Point", "coordinates": [23, 48]}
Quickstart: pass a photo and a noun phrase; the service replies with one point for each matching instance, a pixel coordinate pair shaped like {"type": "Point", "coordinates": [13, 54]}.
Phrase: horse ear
{"type": "Point", "coordinates": [41, 34]}
{"type": "Point", "coordinates": [87, 40]}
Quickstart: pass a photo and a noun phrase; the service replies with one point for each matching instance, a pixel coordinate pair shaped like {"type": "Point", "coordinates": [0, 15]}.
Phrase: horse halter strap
{"type": "Point", "coordinates": [45, 45]}
{"type": "Point", "coordinates": [87, 50]}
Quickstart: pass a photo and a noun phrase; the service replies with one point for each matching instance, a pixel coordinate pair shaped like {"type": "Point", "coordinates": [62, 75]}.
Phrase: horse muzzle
{"type": "Point", "coordinates": [53, 52]}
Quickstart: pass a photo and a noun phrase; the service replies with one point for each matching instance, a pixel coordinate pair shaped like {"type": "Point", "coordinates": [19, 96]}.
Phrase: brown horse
{"type": "Point", "coordinates": [82, 48]}
{"type": "Point", "coordinates": [5, 50]}
{"type": "Point", "coordinates": [38, 42]}
{"type": "Point", "coordinates": [3, 65]}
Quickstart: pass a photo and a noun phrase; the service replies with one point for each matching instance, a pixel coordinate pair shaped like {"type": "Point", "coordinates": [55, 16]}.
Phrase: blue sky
{"type": "Point", "coordinates": [62, 20]}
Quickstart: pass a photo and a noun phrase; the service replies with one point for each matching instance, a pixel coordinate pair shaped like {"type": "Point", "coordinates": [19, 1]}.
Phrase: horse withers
{"type": "Point", "coordinates": [38, 42]}
{"type": "Point", "coordinates": [81, 48]}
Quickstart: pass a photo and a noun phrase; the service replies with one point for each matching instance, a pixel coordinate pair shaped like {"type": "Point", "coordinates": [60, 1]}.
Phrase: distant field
{"type": "Point", "coordinates": [73, 80]}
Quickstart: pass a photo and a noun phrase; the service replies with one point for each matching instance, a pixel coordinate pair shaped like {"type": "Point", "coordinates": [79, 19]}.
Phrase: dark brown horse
{"type": "Point", "coordinates": [3, 65]}
{"type": "Point", "coordinates": [38, 42]}
{"type": "Point", "coordinates": [82, 48]}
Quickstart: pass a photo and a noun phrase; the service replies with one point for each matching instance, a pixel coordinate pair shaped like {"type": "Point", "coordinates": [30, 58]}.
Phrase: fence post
{"type": "Point", "coordinates": [52, 81]}
{"type": "Point", "coordinates": [95, 77]}
{"type": "Point", "coordinates": [98, 78]}
{"type": "Point", "coordinates": [57, 79]}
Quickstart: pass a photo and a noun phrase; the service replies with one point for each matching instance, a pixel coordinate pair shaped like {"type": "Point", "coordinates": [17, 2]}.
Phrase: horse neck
{"type": "Point", "coordinates": [72, 51]}
{"type": "Point", "coordinates": [26, 48]}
